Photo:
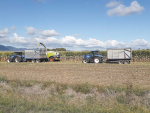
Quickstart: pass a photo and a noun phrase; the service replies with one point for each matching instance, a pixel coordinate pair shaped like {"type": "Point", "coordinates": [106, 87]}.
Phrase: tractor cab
{"type": "Point", "coordinates": [93, 53]}
{"type": "Point", "coordinates": [93, 57]}
{"type": "Point", "coordinates": [18, 53]}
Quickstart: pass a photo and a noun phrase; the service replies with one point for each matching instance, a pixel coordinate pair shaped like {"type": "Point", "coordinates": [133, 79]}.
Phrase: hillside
{"type": "Point", "coordinates": [10, 48]}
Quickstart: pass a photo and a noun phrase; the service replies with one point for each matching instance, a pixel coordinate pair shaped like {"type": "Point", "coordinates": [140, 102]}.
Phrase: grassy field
{"type": "Point", "coordinates": [73, 87]}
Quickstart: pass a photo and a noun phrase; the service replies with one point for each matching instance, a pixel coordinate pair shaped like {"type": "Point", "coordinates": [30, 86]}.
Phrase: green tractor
{"type": "Point", "coordinates": [51, 55]}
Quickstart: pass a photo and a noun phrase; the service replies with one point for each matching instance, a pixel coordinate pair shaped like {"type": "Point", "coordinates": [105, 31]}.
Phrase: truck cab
{"type": "Point", "coordinates": [93, 57]}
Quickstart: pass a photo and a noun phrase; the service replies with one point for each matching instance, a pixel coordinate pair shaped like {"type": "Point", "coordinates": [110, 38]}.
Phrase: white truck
{"type": "Point", "coordinates": [121, 55]}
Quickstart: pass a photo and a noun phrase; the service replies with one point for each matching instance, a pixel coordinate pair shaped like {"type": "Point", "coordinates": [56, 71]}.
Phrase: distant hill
{"type": "Point", "coordinates": [3, 48]}
{"type": "Point", "coordinates": [10, 48]}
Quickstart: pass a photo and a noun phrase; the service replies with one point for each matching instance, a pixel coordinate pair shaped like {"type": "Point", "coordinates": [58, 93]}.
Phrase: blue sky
{"type": "Point", "coordinates": [75, 24]}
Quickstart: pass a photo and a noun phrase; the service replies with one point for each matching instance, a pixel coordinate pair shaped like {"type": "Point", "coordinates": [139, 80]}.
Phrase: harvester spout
{"type": "Point", "coordinates": [41, 44]}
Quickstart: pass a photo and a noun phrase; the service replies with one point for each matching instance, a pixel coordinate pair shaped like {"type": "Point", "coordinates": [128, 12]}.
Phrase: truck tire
{"type": "Point", "coordinates": [18, 59]}
{"type": "Point", "coordinates": [33, 61]}
{"type": "Point", "coordinates": [85, 60]}
{"type": "Point", "coordinates": [120, 62]}
{"type": "Point", "coordinates": [126, 62]}
{"type": "Point", "coordinates": [96, 60]}
{"type": "Point", "coordinates": [38, 61]}
{"type": "Point", "coordinates": [51, 59]}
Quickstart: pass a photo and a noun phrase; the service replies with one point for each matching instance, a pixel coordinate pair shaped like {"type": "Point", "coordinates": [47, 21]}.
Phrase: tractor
{"type": "Point", "coordinates": [94, 57]}
{"type": "Point", "coordinates": [17, 57]}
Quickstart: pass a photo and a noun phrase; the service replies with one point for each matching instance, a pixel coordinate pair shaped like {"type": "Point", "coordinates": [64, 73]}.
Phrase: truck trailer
{"type": "Point", "coordinates": [121, 55]}
{"type": "Point", "coordinates": [36, 55]}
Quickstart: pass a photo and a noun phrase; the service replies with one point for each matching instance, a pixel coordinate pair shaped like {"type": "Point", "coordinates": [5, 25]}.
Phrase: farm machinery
{"type": "Point", "coordinates": [17, 57]}
{"type": "Point", "coordinates": [35, 55]}
{"type": "Point", "coordinates": [121, 56]}
{"type": "Point", "coordinates": [94, 57]}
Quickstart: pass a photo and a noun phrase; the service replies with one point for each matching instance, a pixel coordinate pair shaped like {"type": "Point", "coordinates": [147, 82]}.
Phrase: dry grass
{"type": "Point", "coordinates": [26, 98]}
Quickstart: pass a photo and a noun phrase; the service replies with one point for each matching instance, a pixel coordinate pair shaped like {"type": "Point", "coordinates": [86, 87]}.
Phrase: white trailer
{"type": "Point", "coordinates": [121, 55]}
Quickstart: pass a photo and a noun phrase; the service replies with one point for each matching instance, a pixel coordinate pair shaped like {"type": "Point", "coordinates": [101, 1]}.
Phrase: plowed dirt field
{"type": "Point", "coordinates": [75, 72]}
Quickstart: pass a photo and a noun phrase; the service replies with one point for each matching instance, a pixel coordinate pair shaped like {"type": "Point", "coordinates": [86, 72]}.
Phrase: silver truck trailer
{"type": "Point", "coordinates": [122, 55]}
{"type": "Point", "coordinates": [36, 55]}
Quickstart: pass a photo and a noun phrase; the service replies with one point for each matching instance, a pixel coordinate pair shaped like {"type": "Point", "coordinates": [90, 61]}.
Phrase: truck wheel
{"type": "Point", "coordinates": [126, 62]}
{"type": "Point", "coordinates": [96, 60]}
{"type": "Point", "coordinates": [37, 61]}
{"type": "Point", "coordinates": [120, 62]}
{"type": "Point", "coordinates": [85, 60]}
{"type": "Point", "coordinates": [51, 59]}
{"type": "Point", "coordinates": [18, 59]}
{"type": "Point", "coordinates": [33, 61]}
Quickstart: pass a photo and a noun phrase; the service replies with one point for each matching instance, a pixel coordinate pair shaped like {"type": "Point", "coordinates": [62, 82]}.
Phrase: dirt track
{"type": "Point", "coordinates": [75, 72]}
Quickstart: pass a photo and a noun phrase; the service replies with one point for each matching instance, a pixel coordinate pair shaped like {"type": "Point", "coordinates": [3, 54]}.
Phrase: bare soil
{"type": "Point", "coordinates": [136, 73]}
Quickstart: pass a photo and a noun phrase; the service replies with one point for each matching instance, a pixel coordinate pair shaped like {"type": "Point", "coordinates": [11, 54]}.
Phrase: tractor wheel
{"type": "Point", "coordinates": [9, 60]}
{"type": "Point", "coordinates": [120, 62]}
{"type": "Point", "coordinates": [85, 60]}
{"type": "Point", "coordinates": [33, 61]}
{"type": "Point", "coordinates": [23, 59]}
{"type": "Point", "coordinates": [96, 60]}
{"type": "Point", "coordinates": [18, 59]}
{"type": "Point", "coordinates": [51, 59]}
{"type": "Point", "coordinates": [38, 61]}
{"type": "Point", "coordinates": [126, 62]}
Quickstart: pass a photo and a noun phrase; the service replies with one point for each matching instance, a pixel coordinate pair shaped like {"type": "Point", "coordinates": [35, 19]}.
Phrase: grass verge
{"type": "Point", "coordinates": [54, 99]}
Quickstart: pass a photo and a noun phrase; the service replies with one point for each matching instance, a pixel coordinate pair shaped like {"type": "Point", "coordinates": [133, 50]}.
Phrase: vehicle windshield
{"type": "Point", "coordinates": [95, 53]}
{"type": "Point", "coordinates": [18, 53]}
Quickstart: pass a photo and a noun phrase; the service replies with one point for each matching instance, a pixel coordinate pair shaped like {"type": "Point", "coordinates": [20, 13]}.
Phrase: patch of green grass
{"type": "Point", "coordinates": [3, 79]}
{"type": "Point", "coordinates": [138, 92]}
{"type": "Point", "coordinates": [60, 88]}
{"type": "Point", "coordinates": [83, 88]}
{"type": "Point", "coordinates": [101, 89]}
{"type": "Point", "coordinates": [18, 83]}
{"type": "Point", "coordinates": [47, 84]}
{"type": "Point", "coordinates": [89, 99]}
{"type": "Point", "coordinates": [121, 99]}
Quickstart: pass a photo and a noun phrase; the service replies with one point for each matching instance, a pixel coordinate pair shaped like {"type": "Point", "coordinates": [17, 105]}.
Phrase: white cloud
{"type": "Point", "coordinates": [112, 4]}
{"type": "Point", "coordinates": [4, 33]}
{"type": "Point", "coordinates": [43, 33]}
{"type": "Point", "coordinates": [73, 43]}
{"type": "Point", "coordinates": [13, 28]}
{"type": "Point", "coordinates": [31, 31]}
{"type": "Point", "coordinates": [17, 39]}
{"type": "Point", "coordinates": [122, 10]}
{"type": "Point", "coordinates": [47, 40]}
{"type": "Point", "coordinates": [49, 33]}
{"type": "Point", "coordinates": [140, 43]}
